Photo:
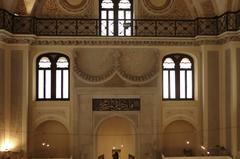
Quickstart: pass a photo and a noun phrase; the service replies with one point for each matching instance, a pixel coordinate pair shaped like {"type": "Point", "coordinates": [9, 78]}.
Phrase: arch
{"type": "Point", "coordinates": [52, 82]}
{"type": "Point", "coordinates": [191, 54]}
{"type": "Point", "coordinates": [51, 139]}
{"type": "Point", "coordinates": [45, 118]}
{"type": "Point", "coordinates": [180, 139]}
{"type": "Point", "coordinates": [115, 132]}
{"type": "Point", "coordinates": [134, 124]}
{"type": "Point", "coordinates": [178, 82]}
{"type": "Point", "coordinates": [179, 117]}
{"type": "Point", "coordinates": [40, 53]}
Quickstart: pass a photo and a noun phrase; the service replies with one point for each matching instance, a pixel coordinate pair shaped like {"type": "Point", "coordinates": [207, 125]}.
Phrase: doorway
{"type": "Point", "coordinates": [115, 135]}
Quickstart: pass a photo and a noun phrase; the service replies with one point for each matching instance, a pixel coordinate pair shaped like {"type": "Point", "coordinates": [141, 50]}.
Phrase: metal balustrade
{"type": "Point", "coordinates": [229, 21]}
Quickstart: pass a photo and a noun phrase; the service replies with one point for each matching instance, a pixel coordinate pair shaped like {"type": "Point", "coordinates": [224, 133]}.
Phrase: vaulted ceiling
{"type": "Point", "coordinates": [165, 9]}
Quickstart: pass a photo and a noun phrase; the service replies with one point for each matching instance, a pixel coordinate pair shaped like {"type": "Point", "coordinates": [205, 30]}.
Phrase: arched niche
{"type": "Point", "coordinates": [51, 140]}
{"type": "Point", "coordinates": [115, 133]}
{"type": "Point", "coordinates": [179, 136]}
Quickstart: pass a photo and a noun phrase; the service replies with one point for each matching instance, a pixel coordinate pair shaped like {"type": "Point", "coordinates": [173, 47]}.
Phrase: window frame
{"type": "Point", "coordinates": [53, 57]}
{"type": "Point", "coordinates": [177, 58]}
{"type": "Point", "coordinates": [115, 19]}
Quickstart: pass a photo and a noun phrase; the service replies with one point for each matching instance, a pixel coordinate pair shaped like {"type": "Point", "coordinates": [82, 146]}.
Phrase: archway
{"type": "Point", "coordinates": [116, 134]}
{"type": "Point", "coordinates": [179, 139]}
{"type": "Point", "coordinates": [51, 140]}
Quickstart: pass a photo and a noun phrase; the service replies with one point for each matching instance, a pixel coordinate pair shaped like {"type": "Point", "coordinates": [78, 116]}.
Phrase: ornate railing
{"type": "Point", "coordinates": [141, 27]}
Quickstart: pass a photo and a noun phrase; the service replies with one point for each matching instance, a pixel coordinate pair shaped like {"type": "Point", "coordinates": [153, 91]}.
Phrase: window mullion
{"type": "Point", "coordinates": [169, 85]}
{"type": "Point", "coordinates": [185, 73]}
{"type": "Point", "coordinates": [177, 80]}
{"type": "Point", "coordinates": [125, 21]}
{"type": "Point", "coordinates": [62, 82]}
{"type": "Point", "coordinates": [53, 80]}
{"type": "Point", "coordinates": [115, 21]}
{"type": "Point", "coordinates": [44, 84]}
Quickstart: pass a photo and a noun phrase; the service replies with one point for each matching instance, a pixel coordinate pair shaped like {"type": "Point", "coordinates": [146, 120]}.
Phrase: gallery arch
{"type": "Point", "coordinates": [46, 139]}
{"type": "Point", "coordinates": [180, 139]}
{"type": "Point", "coordinates": [116, 135]}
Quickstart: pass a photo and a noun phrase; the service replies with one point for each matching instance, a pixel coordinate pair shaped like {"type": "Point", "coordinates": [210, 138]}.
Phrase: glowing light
{"type": "Point", "coordinates": [43, 144]}
{"type": "Point", "coordinates": [7, 145]}
{"type": "Point", "coordinates": [114, 148]}
{"type": "Point", "coordinates": [202, 147]}
{"type": "Point", "coordinates": [208, 153]}
{"type": "Point", "coordinates": [187, 142]}
{"type": "Point", "coordinates": [48, 145]}
{"type": "Point", "coordinates": [122, 145]}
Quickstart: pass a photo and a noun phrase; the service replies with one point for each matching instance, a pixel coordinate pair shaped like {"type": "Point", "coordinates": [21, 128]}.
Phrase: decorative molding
{"type": "Point", "coordinates": [158, 9]}
{"type": "Point", "coordinates": [177, 10]}
{"type": "Point", "coordinates": [116, 104]}
{"type": "Point", "coordinates": [74, 8]}
{"type": "Point", "coordinates": [116, 69]}
{"type": "Point", "coordinates": [188, 113]}
{"type": "Point", "coordinates": [33, 40]}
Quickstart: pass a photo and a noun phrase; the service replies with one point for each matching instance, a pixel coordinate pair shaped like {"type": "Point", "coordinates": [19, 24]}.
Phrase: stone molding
{"type": "Point", "coordinates": [116, 69]}
{"type": "Point", "coordinates": [33, 40]}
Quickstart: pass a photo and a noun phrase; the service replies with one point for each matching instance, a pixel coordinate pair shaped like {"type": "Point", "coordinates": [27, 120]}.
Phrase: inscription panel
{"type": "Point", "coordinates": [116, 104]}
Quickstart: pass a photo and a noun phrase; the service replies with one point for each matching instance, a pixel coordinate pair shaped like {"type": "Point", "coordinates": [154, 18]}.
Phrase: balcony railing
{"type": "Point", "coordinates": [229, 21]}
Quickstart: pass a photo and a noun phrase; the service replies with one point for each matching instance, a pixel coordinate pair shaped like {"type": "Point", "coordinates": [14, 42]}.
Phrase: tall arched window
{"type": "Point", "coordinates": [116, 17]}
{"type": "Point", "coordinates": [178, 79]}
{"type": "Point", "coordinates": [52, 77]}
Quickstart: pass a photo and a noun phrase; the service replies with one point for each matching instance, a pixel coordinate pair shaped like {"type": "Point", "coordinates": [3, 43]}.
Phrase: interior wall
{"type": "Point", "coordinates": [238, 105]}
{"type": "Point", "coordinates": [1, 94]}
{"type": "Point", "coordinates": [228, 99]}
{"type": "Point", "coordinates": [16, 96]}
{"type": "Point", "coordinates": [175, 138]}
{"type": "Point", "coordinates": [213, 99]}
{"type": "Point", "coordinates": [55, 135]}
{"type": "Point", "coordinates": [116, 133]}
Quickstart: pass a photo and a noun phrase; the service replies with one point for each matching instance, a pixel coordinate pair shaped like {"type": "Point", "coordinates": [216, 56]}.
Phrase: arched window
{"type": "Point", "coordinates": [116, 17]}
{"type": "Point", "coordinates": [178, 79]}
{"type": "Point", "coordinates": [52, 77]}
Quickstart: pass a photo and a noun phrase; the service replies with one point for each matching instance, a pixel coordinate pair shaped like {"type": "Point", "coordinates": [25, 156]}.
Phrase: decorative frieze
{"type": "Point", "coordinates": [116, 104]}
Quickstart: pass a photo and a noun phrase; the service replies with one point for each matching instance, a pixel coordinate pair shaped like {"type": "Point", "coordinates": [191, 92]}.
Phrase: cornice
{"type": "Point", "coordinates": [34, 40]}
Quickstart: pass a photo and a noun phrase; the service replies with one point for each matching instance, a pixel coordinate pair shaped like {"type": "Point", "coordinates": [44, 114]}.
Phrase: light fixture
{"type": "Point", "coordinates": [7, 145]}
{"type": "Point", "coordinates": [45, 144]}
{"type": "Point", "coordinates": [202, 147]}
{"type": "Point", "coordinates": [122, 146]}
{"type": "Point", "coordinates": [187, 142]}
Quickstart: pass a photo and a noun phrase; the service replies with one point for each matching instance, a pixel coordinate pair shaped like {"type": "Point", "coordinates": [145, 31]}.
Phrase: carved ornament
{"type": "Point", "coordinates": [116, 69]}
{"type": "Point", "coordinates": [116, 104]}
{"type": "Point", "coordinates": [74, 6]}
{"type": "Point", "coordinates": [158, 7]}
